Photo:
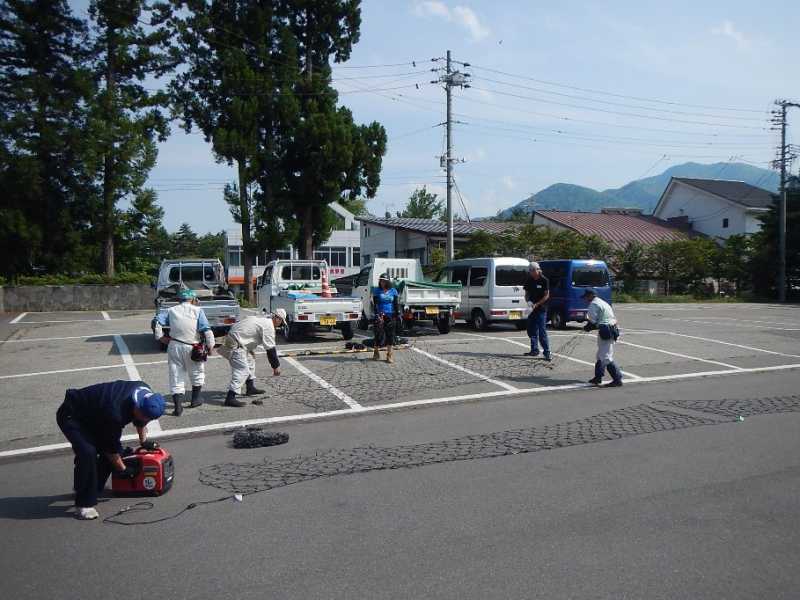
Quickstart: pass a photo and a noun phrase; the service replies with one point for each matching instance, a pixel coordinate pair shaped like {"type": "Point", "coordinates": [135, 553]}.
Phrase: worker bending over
{"type": "Point", "coordinates": [92, 419]}
{"type": "Point", "coordinates": [601, 317]}
{"type": "Point", "coordinates": [386, 308]}
{"type": "Point", "coordinates": [188, 326]}
{"type": "Point", "coordinates": [240, 350]}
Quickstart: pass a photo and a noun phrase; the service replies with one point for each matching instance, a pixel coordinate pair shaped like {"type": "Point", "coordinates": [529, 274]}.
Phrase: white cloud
{"type": "Point", "coordinates": [728, 29]}
{"type": "Point", "coordinates": [508, 182]}
{"type": "Point", "coordinates": [460, 15]}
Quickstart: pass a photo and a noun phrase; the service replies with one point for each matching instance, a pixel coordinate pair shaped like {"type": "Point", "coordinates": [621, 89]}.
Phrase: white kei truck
{"type": "Point", "coordinates": [419, 299]}
{"type": "Point", "coordinates": [206, 277]}
{"type": "Point", "coordinates": [296, 287]}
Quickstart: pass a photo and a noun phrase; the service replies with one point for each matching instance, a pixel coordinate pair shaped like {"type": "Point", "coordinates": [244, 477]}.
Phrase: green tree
{"type": "Point", "coordinates": [44, 88]}
{"type": "Point", "coordinates": [423, 204]}
{"type": "Point", "coordinates": [211, 245]}
{"type": "Point", "coordinates": [357, 206]}
{"type": "Point", "coordinates": [480, 243]}
{"type": "Point", "coordinates": [629, 263]}
{"type": "Point", "coordinates": [733, 261]}
{"type": "Point", "coordinates": [142, 240]}
{"type": "Point", "coordinates": [765, 249]}
{"type": "Point", "coordinates": [184, 243]}
{"type": "Point", "coordinates": [126, 118]}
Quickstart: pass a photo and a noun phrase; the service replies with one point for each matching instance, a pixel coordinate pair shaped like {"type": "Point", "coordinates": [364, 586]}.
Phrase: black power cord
{"type": "Point", "coordinates": [146, 505]}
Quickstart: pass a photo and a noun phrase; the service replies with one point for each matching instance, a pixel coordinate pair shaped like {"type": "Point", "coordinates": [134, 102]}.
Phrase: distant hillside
{"type": "Point", "coordinates": [642, 193]}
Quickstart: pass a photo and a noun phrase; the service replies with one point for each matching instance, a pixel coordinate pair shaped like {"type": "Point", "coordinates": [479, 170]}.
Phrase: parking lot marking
{"type": "Point", "coordinates": [321, 382]}
{"type": "Point", "coordinates": [705, 360]}
{"type": "Point", "coordinates": [749, 321]}
{"type": "Point", "coordinates": [80, 369]}
{"type": "Point", "coordinates": [133, 374]}
{"type": "Point", "coordinates": [64, 321]}
{"type": "Point", "coordinates": [306, 417]}
{"type": "Point", "coordinates": [71, 337]}
{"type": "Point", "coordinates": [740, 326]}
{"type": "Point", "coordinates": [105, 315]}
{"type": "Point", "coordinates": [18, 318]}
{"type": "Point", "coordinates": [453, 365]}
{"type": "Point", "coordinates": [696, 337]}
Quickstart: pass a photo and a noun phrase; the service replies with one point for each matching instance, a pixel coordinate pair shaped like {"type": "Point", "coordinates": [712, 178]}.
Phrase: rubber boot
{"type": "Point", "coordinates": [230, 400]}
{"type": "Point", "coordinates": [177, 401]}
{"type": "Point", "coordinates": [389, 355]}
{"type": "Point", "coordinates": [598, 373]}
{"type": "Point", "coordinates": [376, 353]}
{"type": "Point", "coordinates": [616, 375]}
{"type": "Point", "coordinates": [251, 389]}
{"type": "Point", "coordinates": [196, 400]}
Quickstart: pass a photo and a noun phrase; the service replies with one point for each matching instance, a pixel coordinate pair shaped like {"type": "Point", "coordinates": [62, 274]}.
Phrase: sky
{"type": "Point", "coordinates": [595, 94]}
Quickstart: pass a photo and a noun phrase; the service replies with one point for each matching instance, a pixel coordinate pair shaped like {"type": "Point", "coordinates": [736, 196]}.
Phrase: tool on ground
{"type": "Point", "coordinates": [149, 471]}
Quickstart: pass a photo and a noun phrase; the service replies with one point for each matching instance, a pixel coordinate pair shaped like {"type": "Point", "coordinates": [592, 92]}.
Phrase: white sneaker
{"type": "Point", "coordinates": [87, 513]}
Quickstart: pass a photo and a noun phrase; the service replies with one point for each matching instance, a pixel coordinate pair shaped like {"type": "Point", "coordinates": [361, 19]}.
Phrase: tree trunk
{"type": "Point", "coordinates": [108, 161]}
{"type": "Point", "coordinates": [247, 256]}
{"type": "Point", "coordinates": [307, 249]}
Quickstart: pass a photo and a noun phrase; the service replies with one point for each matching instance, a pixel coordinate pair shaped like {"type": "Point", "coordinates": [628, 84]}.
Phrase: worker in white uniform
{"type": "Point", "coordinates": [188, 325]}
{"type": "Point", "coordinates": [240, 350]}
{"type": "Point", "coordinates": [600, 316]}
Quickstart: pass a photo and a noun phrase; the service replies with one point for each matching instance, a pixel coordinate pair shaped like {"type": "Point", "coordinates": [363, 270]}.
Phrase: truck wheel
{"type": "Point", "coordinates": [443, 324]}
{"type": "Point", "coordinates": [479, 321]}
{"type": "Point", "coordinates": [347, 330]}
{"type": "Point", "coordinates": [557, 320]}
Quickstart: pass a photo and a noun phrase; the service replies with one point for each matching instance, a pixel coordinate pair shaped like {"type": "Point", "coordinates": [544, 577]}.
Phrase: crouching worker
{"type": "Point", "coordinates": [601, 317]}
{"type": "Point", "coordinates": [386, 307]}
{"type": "Point", "coordinates": [188, 326]}
{"type": "Point", "coordinates": [92, 419]}
{"type": "Point", "coordinates": [240, 347]}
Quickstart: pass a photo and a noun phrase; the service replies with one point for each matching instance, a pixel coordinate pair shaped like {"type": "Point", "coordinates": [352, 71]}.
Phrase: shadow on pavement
{"type": "Point", "coordinates": [36, 507]}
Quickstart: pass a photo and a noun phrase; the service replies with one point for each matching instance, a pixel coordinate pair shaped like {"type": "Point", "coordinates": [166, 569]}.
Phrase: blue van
{"type": "Point", "coordinates": [568, 280]}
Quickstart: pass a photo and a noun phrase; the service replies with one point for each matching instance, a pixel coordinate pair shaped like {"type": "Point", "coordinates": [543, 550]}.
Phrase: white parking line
{"type": "Point", "coordinates": [80, 369]}
{"type": "Point", "coordinates": [307, 417]}
{"type": "Point", "coordinates": [133, 374]}
{"type": "Point", "coordinates": [564, 356]}
{"type": "Point", "coordinates": [64, 321]}
{"type": "Point", "coordinates": [321, 382]}
{"type": "Point", "coordinates": [105, 315]}
{"type": "Point", "coordinates": [738, 325]}
{"type": "Point", "coordinates": [71, 337]}
{"type": "Point", "coordinates": [17, 319]}
{"type": "Point", "coordinates": [453, 365]}
{"type": "Point", "coordinates": [696, 337]}
{"type": "Point", "coordinates": [705, 360]}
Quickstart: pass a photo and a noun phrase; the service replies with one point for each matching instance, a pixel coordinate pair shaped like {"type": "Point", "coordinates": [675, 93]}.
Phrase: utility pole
{"type": "Point", "coordinates": [451, 78]}
{"type": "Point", "coordinates": [782, 162]}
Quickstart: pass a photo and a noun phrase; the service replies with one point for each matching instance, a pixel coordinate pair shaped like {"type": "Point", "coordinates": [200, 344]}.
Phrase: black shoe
{"type": "Point", "coordinates": [230, 400]}
{"type": "Point", "coordinates": [196, 401]}
{"type": "Point", "coordinates": [547, 357]}
{"type": "Point", "coordinates": [595, 381]}
{"type": "Point", "coordinates": [251, 389]}
{"type": "Point", "coordinates": [616, 383]}
{"type": "Point", "coordinates": [177, 401]}
{"type": "Point", "coordinates": [531, 353]}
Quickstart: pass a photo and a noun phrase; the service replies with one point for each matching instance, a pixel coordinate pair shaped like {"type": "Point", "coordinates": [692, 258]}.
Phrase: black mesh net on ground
{"type": "Point", "coordinates": [740, 408]}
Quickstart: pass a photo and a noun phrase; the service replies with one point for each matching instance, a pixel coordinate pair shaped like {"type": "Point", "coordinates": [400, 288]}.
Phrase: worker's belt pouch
{"type": "Point", "coordinates": [607, 332]}
{"type": "Point", "coordinates": [199, 352]}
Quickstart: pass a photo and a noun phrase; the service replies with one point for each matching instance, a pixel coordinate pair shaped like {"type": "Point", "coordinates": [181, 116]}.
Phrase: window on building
{"type": "Point", "coordinates": [367, 258]}
{"type": "Point", "coordinates": [724, 223]}
{"type": "Point", "coordinates": [234, 257]}
{"type": "Point", "coordinates": [335, 256]}
{"type": "Point", "coordinates": [356, 257]}
{"type": "Point", "coordinates": [477, 276]}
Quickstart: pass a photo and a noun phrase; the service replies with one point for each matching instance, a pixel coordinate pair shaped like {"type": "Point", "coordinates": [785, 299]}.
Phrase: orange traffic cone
{"type": "Point", "coordinates": [326, 288]}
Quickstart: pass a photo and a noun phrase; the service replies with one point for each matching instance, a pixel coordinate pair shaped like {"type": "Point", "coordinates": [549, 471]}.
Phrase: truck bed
{"type": "Point", "coordinates": [429, 293]}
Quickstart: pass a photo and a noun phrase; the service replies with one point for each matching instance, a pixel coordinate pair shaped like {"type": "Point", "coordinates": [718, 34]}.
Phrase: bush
{"type": "Point", "coordinates": [86, 279]}
{"type": "Point", "coordinates": [622, 297]}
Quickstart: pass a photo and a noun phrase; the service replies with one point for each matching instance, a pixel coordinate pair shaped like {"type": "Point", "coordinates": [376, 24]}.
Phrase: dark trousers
{"type": "Point", "coordinates": [385, 331]}
{"type": "Point", "coordinates": [91, 467]}
{"type": "Point", "coordinates": [537, 331]}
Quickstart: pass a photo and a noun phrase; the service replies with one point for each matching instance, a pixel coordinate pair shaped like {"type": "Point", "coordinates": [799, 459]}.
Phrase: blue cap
{"type": "Point", "coordinates": [588, 291]}
{"type": "Point", "coordinates": [187, 295]}
{"type": "Point", "coordinates": [151, 405]}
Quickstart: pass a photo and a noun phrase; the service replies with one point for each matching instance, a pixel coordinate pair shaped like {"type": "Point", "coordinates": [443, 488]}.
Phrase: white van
{"type": "Point", "coordinates": [492, 290]}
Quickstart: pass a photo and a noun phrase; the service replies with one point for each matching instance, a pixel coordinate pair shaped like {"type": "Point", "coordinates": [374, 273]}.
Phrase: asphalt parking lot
{"type": "Point", "coordinates": [42, 354]}
{"type": "Point", "coordinates": [509, 478]}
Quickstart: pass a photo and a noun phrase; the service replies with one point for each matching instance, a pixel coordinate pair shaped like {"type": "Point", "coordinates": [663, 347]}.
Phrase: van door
{"type": "Point", "coordinates": [585, 275]}
{"type": "Point", "coordinates": [507, 293]}
{"type": "Point", "coordinates": [479, 290]}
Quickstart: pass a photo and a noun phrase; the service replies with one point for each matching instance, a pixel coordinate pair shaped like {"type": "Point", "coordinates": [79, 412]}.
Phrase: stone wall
{"type": "Point", "coordinates": [35, 298]}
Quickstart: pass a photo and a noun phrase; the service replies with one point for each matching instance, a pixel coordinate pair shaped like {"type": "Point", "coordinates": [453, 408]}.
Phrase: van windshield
{"type": "Point", "coordinates": [510, 275]}
{"type": "Point", "coordinates": [589, 277]}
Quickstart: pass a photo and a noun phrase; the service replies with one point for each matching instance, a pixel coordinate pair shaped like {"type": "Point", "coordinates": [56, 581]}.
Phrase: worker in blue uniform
{"type": "Point", "coordinates": [386, 308]}
{"type": "Point", "coordinates": [92, 419]}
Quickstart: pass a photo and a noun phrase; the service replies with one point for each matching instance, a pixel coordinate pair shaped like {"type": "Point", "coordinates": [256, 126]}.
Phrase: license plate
{"type": "Point", "coordinates": [431, 310]}
{"type": "Point", "coordinates": [514, 314]}
{"type": "Point", "coordinates": [327, 320]}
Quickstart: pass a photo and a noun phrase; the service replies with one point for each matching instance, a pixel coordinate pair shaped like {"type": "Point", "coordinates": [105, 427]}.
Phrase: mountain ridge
{"type": "Point", "coordinates": [640, 193]}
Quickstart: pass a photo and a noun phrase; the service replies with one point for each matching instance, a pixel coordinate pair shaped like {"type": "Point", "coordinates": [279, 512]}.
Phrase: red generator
{"type": "Point", "coordinates": [153, 470]}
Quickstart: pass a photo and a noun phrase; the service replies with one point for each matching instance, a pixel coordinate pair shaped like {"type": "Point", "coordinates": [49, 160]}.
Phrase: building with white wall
{"type": "Point", "coordinates": [341, 250]}
{"type": "Point", "coordinates": [717, 208]}
{"type": "Point", "coordinates": [417, 238]}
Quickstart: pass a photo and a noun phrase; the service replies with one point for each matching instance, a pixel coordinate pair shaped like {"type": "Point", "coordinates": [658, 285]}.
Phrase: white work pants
{"type": "Point", "coordinates": [605, 351]}
{"type": "Point", "coordinates": [243, 367]}
{"type": "Point", "coordinates": [180, 363]}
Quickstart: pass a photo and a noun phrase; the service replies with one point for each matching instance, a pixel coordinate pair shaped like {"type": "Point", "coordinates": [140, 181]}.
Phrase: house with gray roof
{"type": "Point", "coordinates": [416, 238]}
{"type": "Point", "coordinates": [717, 208]}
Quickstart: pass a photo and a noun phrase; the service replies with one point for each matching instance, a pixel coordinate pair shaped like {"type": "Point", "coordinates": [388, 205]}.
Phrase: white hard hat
{"type": "Point", "coordinates": [534, 266]}
{"type": "Point", "coordinates": [281, 314]}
